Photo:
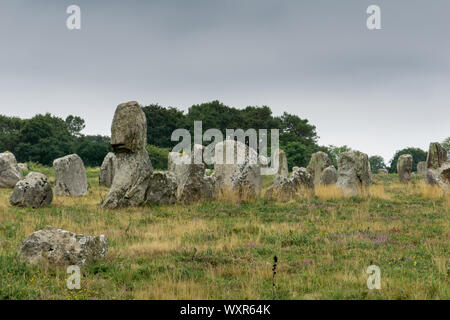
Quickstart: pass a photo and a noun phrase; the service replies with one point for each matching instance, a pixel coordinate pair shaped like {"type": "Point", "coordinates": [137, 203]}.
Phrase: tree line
{"type": "Point", "coordinates": [44, 138]}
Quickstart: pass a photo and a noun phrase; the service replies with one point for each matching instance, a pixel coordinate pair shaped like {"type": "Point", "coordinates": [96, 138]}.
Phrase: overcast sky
{"type": "Point", "coordinates": [375, 91]}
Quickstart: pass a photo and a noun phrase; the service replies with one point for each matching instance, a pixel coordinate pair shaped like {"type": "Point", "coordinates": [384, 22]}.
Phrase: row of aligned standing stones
{"type": "Point", "coordinates": [438, 167]}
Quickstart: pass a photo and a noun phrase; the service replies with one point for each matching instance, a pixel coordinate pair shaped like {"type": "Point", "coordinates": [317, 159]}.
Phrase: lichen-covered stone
{"type": "Point", "coordinates": [404, 168]}
{"type": "Point", "coordinates": [318, 163]}
{"type": "Point", "coordinates": [33, 191]}
{"type": "Point", "coordinates": [107, 170]}
{"type": "Point", "coordinates": [70, 176]}
{"type": "Point", "coordinates": [353, 173]}
{"type": "Point", "coordinates": [61, 247]}
{"type": "Point", "coordinates": [162, 189]}
{"type": "Point", "coordinates": [10, 173]}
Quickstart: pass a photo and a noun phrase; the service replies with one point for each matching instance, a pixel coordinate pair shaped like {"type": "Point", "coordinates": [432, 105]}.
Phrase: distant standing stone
{"type": "Point", "coordinates": [10, 173]}
{"type": "Point", "coordinates": [383, 171]}
{"type": "Point", "coordinates": [404, 168]}
{"type": "Point", "coordinates": [353, 173]}
{"type": "Point", "coordinates": [33, 191]}
{"type": "Point", "coordinates": [107, 170]}
{"type": "Point", "coordinates": [23, 166]}
{"type": "Point", "coordinates": [422, 167]}
{"type": "Point", "coordinates": [282, 162]}
{"type": "Point", "coordinates": [318, 163]}
{"type": "Point", "coordinates": [328, 176]}
{"type": "Point", "coordinates": [70, 176]}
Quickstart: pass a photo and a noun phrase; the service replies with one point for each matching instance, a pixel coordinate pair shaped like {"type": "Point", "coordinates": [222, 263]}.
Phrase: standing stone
{"type": "Point", "coordinates": [133, 166]}
{"type": "Point", "coordinates": [318, 163]}
{"type": "Point", "coordinates": [10, 173]}
{"type": "Point", "coordinates": [437, 156]}
{"type": "Point", "coordinates": [162, 189]}
{"type": "Point", "coordinates": [422, 167]}
{"type": "Point", "coordinates": [107, 170]}
{"type": "Point", "coordinates": [70, 176]}
{"type": "Point", "coordinates": [33, 191]}
{"type": "Point", "coordinates": [383, 171]}
{"type": "Point", "coordinates": [282, 162]}
{"type": "Point", "coordinates": [285, 188]}
{"type": "Point", "coordinates": [237, 169]}
{"type": "Point", "coordinates": [328, 176]}
{"type": "Point", "coordinates": [61, 247]}
{"type": "Point", "coordinates": [353, 172]}
{"type": "Point", "coordinates": [438, 172]}
{"type": "Point", "coordinates": [194, 185]}
{"type": "Point", "coordinates": [178, 164]}
{"type": "Point", "coordinates": [404, 168]}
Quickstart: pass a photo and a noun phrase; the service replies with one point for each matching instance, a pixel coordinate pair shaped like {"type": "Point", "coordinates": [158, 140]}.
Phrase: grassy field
{"type": "Point", "coordinates": [224, 250]}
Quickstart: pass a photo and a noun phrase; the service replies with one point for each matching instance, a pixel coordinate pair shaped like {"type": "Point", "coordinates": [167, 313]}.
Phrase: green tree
{"type": "Point", "coordinates": [92, 149]}
{"type": "Point", "coordinates": [9, 133]}
{"type": "Point", "coordinates": [158, 156]}
{"type": "Point", "coordinates": [161, 122]}
{"type": "Point", "coordinates": [376, 163]}
{"type": "Point", "coordinates": [334, 152]}
{"type": "Point", "coordinates": [417, 154]}
{"type": "Point", "coordinates": [75, 125]}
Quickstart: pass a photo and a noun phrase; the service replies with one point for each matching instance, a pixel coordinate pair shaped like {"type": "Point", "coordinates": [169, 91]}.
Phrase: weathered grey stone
{"type": "Point", "coordinates": [129, 128]}
{"type": "Point", "coordinates": [437, 156]}
{"type": "Point", "coordinates": [133, 166]}
{"type": "Point", "coordinates": [131, 180]}
{"type": "Point", "coordinates": [178, 164]}
{"type": "Point", "coordinates": [318, 163]}
{"type": "Point", "coordinates": [107, 170]}
{"type": "Point", "coordinates": [328, 176]}
{"type": "Point", "coordinates": [193, 184]}
{"type": "Point", "coordinates": [162, 189]}
{"type": "Point", "coordinates": [23, 166]}
{"type": "Point", "coordinates": [10, 173]}
{"type": "Point", "coordinates": [282, 162]}
{"type": "Point", "coordinates": [33, 191]}
{"type": "Point", "coordinates": [404, 168]}
{"type": "Point", "coordinates": [70, 176]}
{"type": "Point", "coordinates": [383, 171]}
{"type": "Point", "coordinates": [61, 247]}
{"type": "Point", "coordinates": [422, 167]}
{"type": "Point", "coordinates": [353, 173]}
{"type": "Point", "coordinates": [237, 169]}
{"type": "Point", "coordinates": [440, 177]}
{"type": "Point", "coordinates": [285, 188]}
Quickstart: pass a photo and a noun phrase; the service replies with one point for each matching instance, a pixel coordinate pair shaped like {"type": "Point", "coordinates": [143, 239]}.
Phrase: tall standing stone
{"type": "Point", "coordinates": [404, 168]}
{"type": "Point", "coordinates": [70, 176]}
{"type": "Point", "coordinates": [437, 156]}
{"type": "Point", "coordinates": [107, 170]}
{"type": "Point", "coordinates": [134, 168]}
{"type": "Point", "coordinates": [10, 173]}
{"type": "Point", "coordinates": [318, 163]}
{"type": "Point", "coordinates": [353, 173]}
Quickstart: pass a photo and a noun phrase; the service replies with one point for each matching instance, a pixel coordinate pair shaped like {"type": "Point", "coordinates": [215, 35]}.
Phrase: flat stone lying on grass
{"type": "Point", "coordinates": [70, 176]}
{"type": "Point", "coordinates": [10, 173]}
{"type": "Point", "coordinates": [33, 191]}
{"type": "Point", "coordinates": [62, 247]}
